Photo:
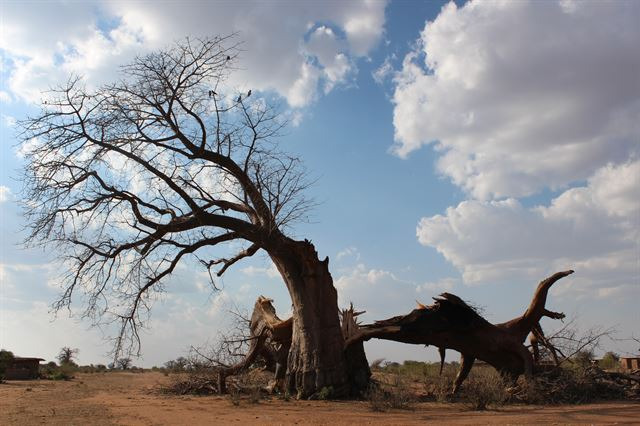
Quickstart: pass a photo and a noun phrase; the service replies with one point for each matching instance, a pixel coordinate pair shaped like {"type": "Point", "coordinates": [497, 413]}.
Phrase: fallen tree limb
{"type": "Point", "coordinates": [450, 323]}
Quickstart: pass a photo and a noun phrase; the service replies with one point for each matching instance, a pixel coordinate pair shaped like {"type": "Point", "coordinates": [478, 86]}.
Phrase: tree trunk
{"type": "Point", "coordinates": [317, 358]}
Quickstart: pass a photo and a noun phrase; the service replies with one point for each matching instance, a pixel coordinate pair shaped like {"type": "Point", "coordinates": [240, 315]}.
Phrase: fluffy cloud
{"type": "Point", "coordinates": [259, 271]}
{"type": "Point", "coordinates": [349, 252]}
{"type": "Point", "coordinates": [383, 72]}
{"type": "Point", "coordinates": [519, 96]}
{"type": "Point", "coordinates": [382, 293]}
{"type": "Point", "coordinates": [290, 49]}
{"type": "Point", "coordinates": [331, 54]}
{"type": "Point", "coordinates": [594, 229]}
{"type": "Point", "coordinates": [377, 291]}
{"type": "Point", "coordinates": [5, 193]}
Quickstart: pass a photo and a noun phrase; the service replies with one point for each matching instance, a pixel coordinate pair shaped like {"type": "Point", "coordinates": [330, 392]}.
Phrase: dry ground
{"type": "Point", "coordinates": [128, 399]}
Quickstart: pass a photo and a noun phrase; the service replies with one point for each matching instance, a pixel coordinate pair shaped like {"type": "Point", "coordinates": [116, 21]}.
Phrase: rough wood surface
{"type": "Point", "coordinates": [449, 323]}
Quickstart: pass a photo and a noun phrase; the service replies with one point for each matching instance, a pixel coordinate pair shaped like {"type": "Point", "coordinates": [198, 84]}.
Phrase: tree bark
{"type": "Point", "coordinates": [521, 327]}
{"type": "Point", "coordinates": [317, 357]}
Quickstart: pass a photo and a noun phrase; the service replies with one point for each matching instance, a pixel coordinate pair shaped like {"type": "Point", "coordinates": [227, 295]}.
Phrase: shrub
{"type": "Point", "coordinates": [609, 361]}
{"type": "Point", "coordinates": [584, 358]}
{"type": "Point", "coordinates": [324, 394]}
{"type": "Point", "coordinates": [484, 389]}
{"type": "Point", "coordinates": [60, 375]}
{"type": "Point", "coordinates": [438, 386]}
{"type": "Point", "coordinates": [51, 371]}
{"type": "Point", "coordinates": [234, 397]}
{"type": "Point", "coordinates": [395, 395]}
{"type": "Point", "coordinates": [376, 398]}
{"type": "Point", "coordinates": [177, 365]}
{"type": "Point", "coordinates": [6, 357]}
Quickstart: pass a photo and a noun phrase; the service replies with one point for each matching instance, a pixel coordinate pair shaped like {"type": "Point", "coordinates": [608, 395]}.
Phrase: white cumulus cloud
{"type": "Point", "coordinates": [382, 293]}
{"type": "Point", "coordinates": [279, 42]}
{"type": "Point", "coordinates": [5, 193]}
{"type": "Point", "coordinates": [522, 95]}
{"type": "Point", "coordinates": [594, 229]}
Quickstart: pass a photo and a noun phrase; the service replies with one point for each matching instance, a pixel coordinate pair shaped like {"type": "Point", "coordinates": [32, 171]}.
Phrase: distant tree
{"type": "Point", "coordinates": [609, 360]}
{"type": "Point", "coordinates": [67, 355]}
{"type": "Point", "coordinates": [584, 357]}
{"type": "Point", "coordinates": [6, 357]}
{"type": "Point", "coordinates": [129, 180]}
{"type": "Point", "coordinates": [123, 363]}
{"type": "Point", "coordinates": [178, 364]}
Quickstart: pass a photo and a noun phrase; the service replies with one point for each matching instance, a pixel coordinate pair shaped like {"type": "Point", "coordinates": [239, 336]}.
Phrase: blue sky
{"type": "Point", "coordinates": [472, 148]}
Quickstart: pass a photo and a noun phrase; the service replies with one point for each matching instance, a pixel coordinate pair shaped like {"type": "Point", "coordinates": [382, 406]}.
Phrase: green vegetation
{"type": "Point", "coordinates": [610, 361]}
{"type": "Point", "coordinates": [6, 357]}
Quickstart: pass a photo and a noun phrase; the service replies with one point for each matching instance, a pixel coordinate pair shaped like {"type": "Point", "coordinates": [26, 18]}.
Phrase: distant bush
{"type": "Point", "coordinates": [177, 365]}
{"type": "Point", "coordinates": [88, 369]}
{"type": "Point", "coordinates": [577, 385]}
{"type": "Point", "coordinates": [325, 394]}
{"type": "Point", "coordinates": [415, 370]}
{"type": "Point", "coordinates": [63, 372]}
{"type": "Point", "coordinates": [52, 371]}
{"type": "Point", "coordinates": [397, 394]}
{"type": "Point", "coordinates": [583, 358]}
{"type": "Point", "coordinates": [60, 375]}
{"type": "Point", "coordinates": [6, 357]}
{"type": "Point", "coordinates": [48, 369]}
{"type": "Point", "coordinates": [609, 361]}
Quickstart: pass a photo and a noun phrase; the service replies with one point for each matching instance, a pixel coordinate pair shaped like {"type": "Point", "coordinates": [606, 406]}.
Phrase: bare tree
{"type": "Point", "coordinates": [67, 355]}
{"type": "Point", "coordinates": [129, 180]}
{"type": "Point", "coordinates": [570, 341]}
{"type": "Point", "coordinates": [123, 363]}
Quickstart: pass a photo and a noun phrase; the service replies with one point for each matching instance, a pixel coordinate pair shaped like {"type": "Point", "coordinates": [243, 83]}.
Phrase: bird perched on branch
{"type": "Point", "coordinates": [239, 99]}
{"type": "Point", "coordinates": [228, 58]}
{"type": "Point", "coordinates": [249, 93]}
{"type": "Point", "coordinates": [212, 93]}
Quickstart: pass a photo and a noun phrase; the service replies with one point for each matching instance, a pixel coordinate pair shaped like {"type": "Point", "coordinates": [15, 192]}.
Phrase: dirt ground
{"type": "Point", "coordinates": [130, 399]}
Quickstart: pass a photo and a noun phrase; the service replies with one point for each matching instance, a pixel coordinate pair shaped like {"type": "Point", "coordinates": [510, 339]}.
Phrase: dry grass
{"type": "Point", "coordinates": [396, 394]}
{"type": "Point", "coordinates": [485, 389]}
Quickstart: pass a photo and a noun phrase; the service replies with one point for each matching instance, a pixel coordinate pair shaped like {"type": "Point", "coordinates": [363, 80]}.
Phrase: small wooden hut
{"type": "Point", "coordinates": [22, 368]}
{"type": "Point", "coordinates": [630, 363]}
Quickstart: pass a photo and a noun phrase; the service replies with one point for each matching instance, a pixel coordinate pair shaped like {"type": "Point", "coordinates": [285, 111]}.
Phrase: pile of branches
{"type": "Point", "coordinates": [578, 385]}
{"type": "Point", "coordinates": [574, 377]}
{"type": "Point", "coordinates": [193, 383]}
{"type": "Point", "coordinates": [207, 382]}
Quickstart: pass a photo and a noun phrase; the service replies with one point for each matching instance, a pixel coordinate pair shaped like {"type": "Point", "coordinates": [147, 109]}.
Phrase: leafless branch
{"type": "Point", "coordinates": [127, 181]}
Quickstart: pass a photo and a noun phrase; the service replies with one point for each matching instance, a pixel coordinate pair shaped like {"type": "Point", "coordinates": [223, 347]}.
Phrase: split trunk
{"type": "Point", "coordinates": [317, 359]}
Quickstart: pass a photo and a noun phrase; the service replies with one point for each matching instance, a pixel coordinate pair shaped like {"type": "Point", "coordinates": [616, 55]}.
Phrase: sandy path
{"type": "Point", "coordinates": [126, 399]}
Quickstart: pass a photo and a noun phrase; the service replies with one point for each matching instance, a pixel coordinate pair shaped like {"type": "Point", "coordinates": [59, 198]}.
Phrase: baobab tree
{"type": "Point", "coordinates": [67, 355]}
{"type": "Point", "coordinates": [165, 165]}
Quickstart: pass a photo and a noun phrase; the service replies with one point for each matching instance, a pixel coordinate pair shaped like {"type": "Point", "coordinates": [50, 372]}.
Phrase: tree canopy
{"type": "Point", "coordinates": [127, 180]}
